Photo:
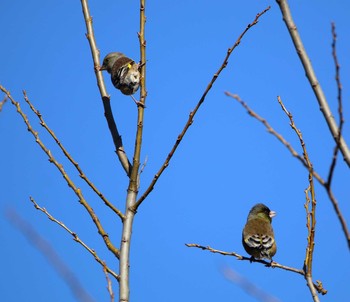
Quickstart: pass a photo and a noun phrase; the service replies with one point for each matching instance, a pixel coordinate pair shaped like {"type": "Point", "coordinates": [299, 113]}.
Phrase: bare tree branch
{"type": "Point", "coordinates": [310, 215]}
{"type": "Point", "coordinates": [70, 158]}
{"type": "Point", "coordinates": [117, 139]}
{"type": "Point", "coordinates": [50, 254]}
{"type": "Point", "coordinates": [301, 159]}
{"type": "Point", "coordinates": [240, 257]}
{"type": "Point", "coordinates": [75, 238]}
{"type": "Point", "coordinates": [109, 284]}
{"type": "Point", "coordinates": [69, 181]}
{"type": "Point", "coordinates": [318, 286]}
{"type": "Point", "coordinates": [340, 108]}
{"type": "Point", "coordinates": [193, 113]}
{"type": "Point", "coordinates": [310, 74]}
{"type": "Point", "coordinates": [130, 211]}
{"type": "Point", "coordinates": [2, 103]}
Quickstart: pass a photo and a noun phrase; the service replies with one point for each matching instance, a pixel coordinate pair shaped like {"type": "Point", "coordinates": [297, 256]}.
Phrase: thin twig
{"type": "Point", "coordinates": [240, 257]}
{"type": "Point", "coordinates": [318, 286]}
{"type": "Point", "coordinates": [69, 181]}
{"type": "Point", "coordinates": [310, 215]}
{"type": "Point", "coordinates": [70, 158]}
{"type": "Point", "coordinates": [310, 74]}
{"type": "Point", "coordinates": [2, 103]}
{"type": "Point", "coordinates": [193, 113]}
{"type": "Point", "coordinates": [301, 159]}
{"type": "Point", "coordinates": [43, 246]}
{"type": "Point", "coordinates": [340, 108]}
{"type": "Point", "coordinates": [271, 130]}
{"type": "Point", "coordinates": [75, 238]}
{"type": "Point", "coordinates": [117, 139]}
{"type": "Point", "coordinates": [109, 283]}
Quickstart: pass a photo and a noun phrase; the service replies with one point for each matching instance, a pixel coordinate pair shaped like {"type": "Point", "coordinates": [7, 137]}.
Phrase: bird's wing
{"type": "Point", "coordinates": [259, 241]}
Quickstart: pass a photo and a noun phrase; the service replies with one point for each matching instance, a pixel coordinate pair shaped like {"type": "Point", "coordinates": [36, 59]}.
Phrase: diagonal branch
{"type": "Point", "coordinates": [70, 158]}
{"type": "Point", "coordinates": [75, 238]}
{"type": "Point", "coordinates": [301, 159]}
{"type": "Point", "coordinates": [70, 183]}
{"type": "Point", "coordinates": [193, 113]}
{"type": "Point", "coordinates": [310, 74]}
{"type": "Point", "coordinates": [50, 255]}
{"type": "Point", "coordinates": [117, 139]}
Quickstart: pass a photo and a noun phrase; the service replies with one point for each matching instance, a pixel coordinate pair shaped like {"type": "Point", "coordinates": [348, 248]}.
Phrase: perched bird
{"type": "Point", "coordinates": [125, 74]}
{"type": "Point", "coordinates": [257, 237]}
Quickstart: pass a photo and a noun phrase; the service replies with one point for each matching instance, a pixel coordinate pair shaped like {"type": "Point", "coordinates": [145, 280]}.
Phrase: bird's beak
{"type": "Point", "coordinates": [101, 68]}
{"type": "Point", "coordinates": [272, 214]}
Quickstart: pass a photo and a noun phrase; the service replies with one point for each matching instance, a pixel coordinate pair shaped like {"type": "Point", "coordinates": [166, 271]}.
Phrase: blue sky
{"type": "Point", "coordinates": [226, 163]}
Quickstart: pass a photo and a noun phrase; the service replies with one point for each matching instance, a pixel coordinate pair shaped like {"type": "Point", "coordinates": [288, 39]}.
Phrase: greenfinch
{"type": "Point", "coordinates": [257, 236]}
{"type": "Point", "coordinates": [125, 73]}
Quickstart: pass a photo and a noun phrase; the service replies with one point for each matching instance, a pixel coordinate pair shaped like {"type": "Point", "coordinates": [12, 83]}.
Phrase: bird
{"type": "Point", "coordinates": [257, 237]}
{"type": "Point", "coordinates": [125, 73]}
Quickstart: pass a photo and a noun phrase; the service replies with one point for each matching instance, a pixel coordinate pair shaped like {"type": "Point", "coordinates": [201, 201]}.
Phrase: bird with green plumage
{"type": "Point", "coordinates": [258, 237]}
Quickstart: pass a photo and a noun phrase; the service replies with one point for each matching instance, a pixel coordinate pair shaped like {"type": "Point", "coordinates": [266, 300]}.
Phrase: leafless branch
{"type": "Point", "coordinates": [2, 103]}
{"type": "Point", "coordinates": [193, 113]}
{"type": "Point", "coordinates": [50, 254]}
{"type": "Point", "coordinates": [70, 158]}
{"type": "Point", "coordinates": [117, 139]}
{"type": "Point", "coordinates": [124, 263]}
{"type": "Point", "coordinates": [310, 74]}
{"type": "Point", "coordinates": [340, 108]}
{"type": "Point", "coordinates": [318, 286]}
{"type": "Point", "coordinates": [109, 283]}
{"type": "Point", "coordinates": [75, 238]}
{"type": "Point", "coordinates": [310, 215]}
{"type": "Point", "coordinates": [301, 159]}
{"type": "Point", "coordinates": [240, 257]}
{"type": "Point", "coordinates": [68, 180]}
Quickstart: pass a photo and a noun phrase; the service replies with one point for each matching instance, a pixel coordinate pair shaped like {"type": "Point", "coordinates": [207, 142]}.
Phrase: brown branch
{"type": "Point", "coordinates": [124, 263]}
{"type": "Point", "coordinates": [193, 113]}
{"type": "Point", "coordinates": [310, 74]}
{"type": "Point", "coordinates": [70, 158]}
{"type": "Point", "coordinates": [75, 238]}
{"type": "Point", "coordinates": [340, 108]}
{"type": "Point", "coordinates": [50, 254]}
{"type": "Point", "coordinates": [109, 283]}
{"type": "Point", "coordinates": [117, 139]}
{"type": "Point", "coordinates": [2, 103]}
{"type": "Point", "coordinates": [240, 257]}
{"type": "Point", "coordinates": [310, 215]}
{"type": "Point", "coordinates": [318, 285]}
{"type": "Point", "coordinates": [301, 159]}
{"type": "Point", "coordinates": [70, 183]}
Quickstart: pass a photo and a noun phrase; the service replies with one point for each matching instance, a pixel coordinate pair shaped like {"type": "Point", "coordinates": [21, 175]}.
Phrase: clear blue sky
{"type": "Point", "coordinates": [226, 163]}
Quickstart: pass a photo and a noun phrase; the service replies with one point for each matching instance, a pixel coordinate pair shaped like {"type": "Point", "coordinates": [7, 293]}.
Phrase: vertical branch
{"type": "Point", "coordinates": [117, 139]}
{"type": "Point", "coordinates": [340, 108]}
{"type": "Point", "coordinates": [310, 215]}
{"type": "Point", "coordinates": [124, 264]}
{"type": "Point", "coordinates": [310, 74]}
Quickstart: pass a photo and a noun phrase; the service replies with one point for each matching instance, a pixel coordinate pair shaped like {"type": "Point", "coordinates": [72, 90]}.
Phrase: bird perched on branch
{"type": "Point", "coordinates": [257, 237]}
{"type": "Point", "coordinates": [125, 74]}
